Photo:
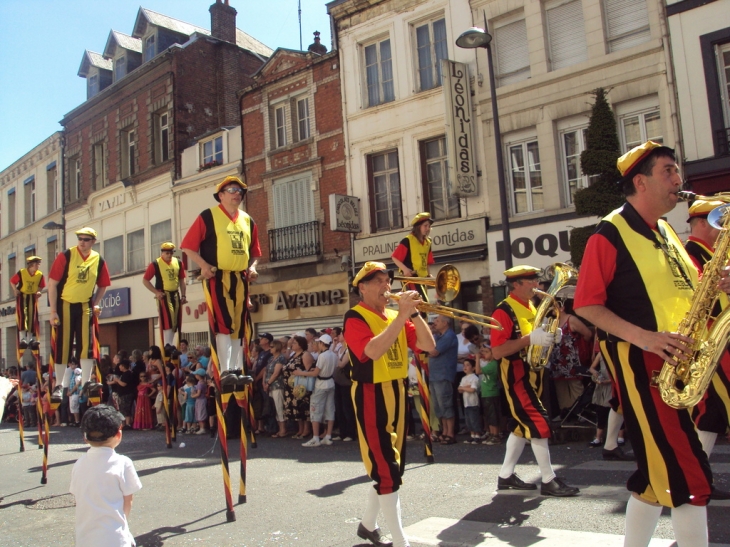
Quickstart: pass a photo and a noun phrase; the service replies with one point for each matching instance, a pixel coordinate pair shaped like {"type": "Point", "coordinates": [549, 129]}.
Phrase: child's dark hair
{"type": "Point", "coordinates": [471, 361]}
{"type": "Point", "coordinates": [191, 379]}
{"type": "Point", "coordinates": [101, 422]}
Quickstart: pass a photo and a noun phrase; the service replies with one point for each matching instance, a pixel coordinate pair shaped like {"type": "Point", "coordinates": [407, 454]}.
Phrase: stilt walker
{"type": "Point", "coordinates": [425, 410]}
{"type": "Point", "coordinates": [221, 241]}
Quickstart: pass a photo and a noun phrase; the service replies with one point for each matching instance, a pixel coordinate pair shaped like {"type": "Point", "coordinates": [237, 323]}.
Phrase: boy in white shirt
{"type": "Point", "coordinates": [103, 483]}
{"type": "Point", "coordinates": [322, 401]}
{"type": "Point", "coordinates": [469, 387]}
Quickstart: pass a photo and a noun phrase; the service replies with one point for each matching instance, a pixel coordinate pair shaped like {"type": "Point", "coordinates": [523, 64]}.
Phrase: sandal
{"type": "Point", "coordinates": [446, 440]}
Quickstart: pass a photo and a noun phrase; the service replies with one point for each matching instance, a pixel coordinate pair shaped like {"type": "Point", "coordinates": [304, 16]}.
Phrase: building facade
{"type": "Point", "coordinates": [30, 224]}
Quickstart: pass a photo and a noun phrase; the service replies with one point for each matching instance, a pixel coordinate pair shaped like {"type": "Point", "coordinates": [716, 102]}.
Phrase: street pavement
{"type": "Point", "coordinates": [315, 496]}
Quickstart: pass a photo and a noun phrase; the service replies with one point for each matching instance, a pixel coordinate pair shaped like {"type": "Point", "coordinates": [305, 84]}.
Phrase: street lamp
{"type": "Point", "coordinates": [475, 38]}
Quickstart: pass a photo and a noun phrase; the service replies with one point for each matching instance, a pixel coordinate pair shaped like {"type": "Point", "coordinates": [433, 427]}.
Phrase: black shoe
{"type": "Point", "coordinates": [57, 394]}
{"type": "Point", "coordinates": [375, 537]}
{"type": "Point", "coordinates": [35, 345]}
{"type": "Point", "coordinates": [719, 495]}
{"type": "Point", "coordinates": [23, 344]}
{"type": "Point", "coordinates": [621, 442]}
{"type": "Point", "coordinates": [229, 377]}
{"type": "Point", "coordinates": [515, 483]}
{"type": "Point", "coordinates": [595, 443]}
{"type": "Point", "coordinates": [558, 488]}
{"type": "Point", "coordinates": [245, 380]}
{"type": "Point", "coordinates": [617, 454]}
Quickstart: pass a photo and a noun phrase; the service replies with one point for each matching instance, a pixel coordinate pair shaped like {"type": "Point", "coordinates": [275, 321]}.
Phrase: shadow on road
{"type": "Point", "coordinates": [337, 488]}
{"type": "Point", "coordinates": [157, 537]}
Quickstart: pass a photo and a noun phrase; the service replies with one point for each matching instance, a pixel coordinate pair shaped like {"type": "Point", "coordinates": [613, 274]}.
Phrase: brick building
{"type": "Point", "coordinates": [294, 160]}
{"type": "Point", "coordinates": [150, 95]}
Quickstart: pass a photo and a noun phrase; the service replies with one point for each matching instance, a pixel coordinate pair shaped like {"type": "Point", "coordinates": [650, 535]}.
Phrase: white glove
{"type": "Point", "coordinates": [539, 337]}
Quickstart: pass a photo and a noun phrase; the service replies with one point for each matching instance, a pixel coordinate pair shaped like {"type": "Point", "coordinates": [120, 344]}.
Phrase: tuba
{"type": "Point", "coordinates": [684, 386]}
{"type": "Point", "coordinates": [548, 312]}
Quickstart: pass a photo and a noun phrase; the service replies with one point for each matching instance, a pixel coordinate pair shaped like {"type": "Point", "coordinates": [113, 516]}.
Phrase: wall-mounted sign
{"type": "Point", "coordinates": [462, 171]}
{"type": "Point", "coordinates": [455, 235]}
{"type": "Point", "coordinates": [116, 303]}
{"type": "Point", "coordinates": [9, 310]}
{"type": "Point", "coordinates": [344, 213]}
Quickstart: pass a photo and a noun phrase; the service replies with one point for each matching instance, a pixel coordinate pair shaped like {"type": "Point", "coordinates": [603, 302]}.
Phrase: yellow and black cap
{"type": "Point", "coordinates": [32, 259]}
{"type": "Point", "coordinates": [421, 218]}
{"type": "Point", "coordinates": [368, 271]}
{"type": "Point", "coordinates": [630, 163]}
{"type": "Point", "coordinates": [225, 182]}
{"type": "Point", "coordinates": [702, 207]}
{"type": "Point", "coordinates": [522, 272]}
{"type": "Point", "coordinates": [167, 246]}
{"type": "Point", "coordinates": [86, 231]}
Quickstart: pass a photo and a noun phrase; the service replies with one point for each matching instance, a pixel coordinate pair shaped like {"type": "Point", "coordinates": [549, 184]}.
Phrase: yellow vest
{"type": "Point", "coordinates": [169, 274]}
{"type": "Point", "coordinates": [393, 365]}
{"type": "Point", "coordinates": [226, 241]}
{"type": "Point", "coordinates": [29, 284]}
{"type": "Point", "coordinates": [419, 254]}
{"type": "Point", "coordinates": [80, 276]}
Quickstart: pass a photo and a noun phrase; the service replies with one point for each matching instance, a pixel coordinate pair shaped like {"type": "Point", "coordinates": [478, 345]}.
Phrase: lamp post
{"type": "Point", "coordinates": [475, 38]}
{"type": "Point", "coordinates": [52, 225]}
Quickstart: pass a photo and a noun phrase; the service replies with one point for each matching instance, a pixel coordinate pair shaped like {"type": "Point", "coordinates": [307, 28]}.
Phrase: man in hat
{"type": "Point", "coordinates": [636, 285]}
{"type": "Point", "coordinates": [74, 276]}
{"type": "Point", "coordinates": [377, 340]}
{"type": "Point", "coordinates": [523, 386]}
{"type": "Point", "coordinates": [27, 285]}
{"type": "Point", "coordinates": [413, 254]}
{"type": "Point", "coordinates": [169, 290]}
{"type": "Point", "coordinates": [222, 241]}
{"type": "Point", "coordinates": [712, 413]}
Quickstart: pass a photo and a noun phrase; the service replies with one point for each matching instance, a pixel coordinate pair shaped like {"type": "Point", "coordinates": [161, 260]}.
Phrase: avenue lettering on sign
{"type": "Point", "coordinates": [286, 301]}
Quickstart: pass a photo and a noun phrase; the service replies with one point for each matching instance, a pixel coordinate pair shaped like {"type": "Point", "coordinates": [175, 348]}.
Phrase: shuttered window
{"type": "Point", "coordinates": [627, 23]}
{"type": "Point", "coordinates": [513, 59]}
{"type": "Point", "coordinates": [293, 201]}
{"type": "Point", "coordinates": [566, 34]}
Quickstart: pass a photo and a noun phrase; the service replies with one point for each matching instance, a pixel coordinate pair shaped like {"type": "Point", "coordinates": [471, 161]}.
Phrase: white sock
{"type": "Point", "coordinates": [641, 521]}
{"type": "Point", "coordinates": [168, 335]}
{"type": "Point", "coordinates": [223, 349]}
{"type": "Point", "coordinates": [236, 357]}
{"type": "Point", "coordinates": [690, 525]}
{"type": "Point", "coordinates": [87, 367]}
{"type": "Point", "coordinates": [60, 372]}
{"type": "Point", "coordinates": [615, 421]}
{"type": "Point", "coordinates": [707, 439]}
{"type": "Point", "coordinates": [370, 518]}
{"type": "Point", "coordinates": [25, 335]}
{"type": "Point", "coordinates": [514, 448]}
{"type": "Point", "coordinates": [390, 504]}
{"type": "Point", "coordinates": [542, 455]}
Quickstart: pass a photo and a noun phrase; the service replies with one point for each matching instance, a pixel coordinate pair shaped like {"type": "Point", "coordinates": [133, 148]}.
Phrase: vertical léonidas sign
{"type": "Point", "coordinates": [459, 140]}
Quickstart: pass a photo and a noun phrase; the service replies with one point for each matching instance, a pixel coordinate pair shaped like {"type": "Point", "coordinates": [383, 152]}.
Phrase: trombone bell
{"type": "Point", "coordinates": [447, 282]}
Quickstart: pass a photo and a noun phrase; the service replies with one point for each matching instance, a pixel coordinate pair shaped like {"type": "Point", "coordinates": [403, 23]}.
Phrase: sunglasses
{"type": "Point", "coordinates": [167, 251]}
{"type": "Point", "coordinates": [233, 190]}
{"type": "Point", "coordinates": [86, 239]}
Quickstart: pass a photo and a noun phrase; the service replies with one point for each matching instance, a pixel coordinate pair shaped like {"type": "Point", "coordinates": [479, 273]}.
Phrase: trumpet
{"type": "Point", "coordinates": [447, 282]}
{"type": "Point", "coordinates": [469, 317]}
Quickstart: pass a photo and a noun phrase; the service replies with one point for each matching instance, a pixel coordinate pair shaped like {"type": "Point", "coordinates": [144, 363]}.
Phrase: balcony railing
{"type": "Point", "coordinates": [723, 138]}
{"type": "Point", "coordinates": [295, 241]}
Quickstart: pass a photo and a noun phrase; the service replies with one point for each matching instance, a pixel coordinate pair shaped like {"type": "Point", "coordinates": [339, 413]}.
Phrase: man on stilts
{"type": "Point", "coordinates": [221, 241]}
{"type": "Point", "coordinates": [169, 290]}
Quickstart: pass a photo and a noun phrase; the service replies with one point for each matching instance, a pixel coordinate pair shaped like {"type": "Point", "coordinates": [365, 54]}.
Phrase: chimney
{"type": "Point", "coordinates": [317, 47]}
{"type": "Point", "coordinates": [223, 21]}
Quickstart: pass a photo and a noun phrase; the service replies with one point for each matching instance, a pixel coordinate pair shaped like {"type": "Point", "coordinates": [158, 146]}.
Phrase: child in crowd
{"type": "Point", "coordinates": [28, 400]}
{"type": "Point", "coordinates": [468, 388]}
{"type": "Point", "coordinates": [201, 404]}
{"type": "Point", "coordinates": [103, 483]}
{"type": "Point", "coordinates": [160, 406]}
{"type": "Point", "coordinates": [488, 369]}
{"type": "Point", "coordinates": [188, 404]}
{"type": "Point", "coordinates": [210, 402]}
{"type": "Point", "coordinates": [74, 391]}
{"type": "Point", "coordinates": [143, 412]}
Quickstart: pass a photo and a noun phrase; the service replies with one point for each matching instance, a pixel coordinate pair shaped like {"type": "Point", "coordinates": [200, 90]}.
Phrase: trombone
{"type": "Point", "coordinates": [447, 283]}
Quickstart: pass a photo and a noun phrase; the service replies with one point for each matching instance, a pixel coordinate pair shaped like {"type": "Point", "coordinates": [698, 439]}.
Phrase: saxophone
{"type": "Point", "coordinates": [548, 312]}
{"type": "Point", "coordinates": [684, 386]}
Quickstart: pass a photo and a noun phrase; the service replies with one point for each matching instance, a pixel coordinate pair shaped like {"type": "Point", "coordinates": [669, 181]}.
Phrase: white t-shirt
{"type": "Point", "coordinates": [326, 363]}
{"type": "Point", "coordinates": [470, 398]}
{"type": "Point", "coordinates": [462, 351]}
{"type": "Point", "coordinates": [99, 481]}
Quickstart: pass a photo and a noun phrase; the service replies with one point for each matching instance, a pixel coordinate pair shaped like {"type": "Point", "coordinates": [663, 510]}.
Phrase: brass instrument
{"type": "Point", "coordinates": [447, 283]}
{"type": "Point", "coordinates": [565, 278]}
{"type": "Point", "coordinates": [684, 386]}
{"type": "Point", "coordinates": [685, 195]}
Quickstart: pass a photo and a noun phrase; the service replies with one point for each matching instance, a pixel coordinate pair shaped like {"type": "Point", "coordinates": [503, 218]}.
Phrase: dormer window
{"type": "Point", "coordinates": [120, 68]}
{"type": "Point", "coordinates": [150, 49]}
{"type": "Point", "coordinates": [93, 85]}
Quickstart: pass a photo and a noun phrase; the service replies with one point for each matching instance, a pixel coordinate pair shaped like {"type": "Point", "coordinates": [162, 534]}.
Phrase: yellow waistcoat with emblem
{"type": "Point", "coordinates": [419, 254]}
{"type": "Point", "coordinates": [169, 273]}
{"type": "Point", "coordinates": [393, 365]}
{"type": "Point", "coordinates": [81, 280]}
{"type": "Point", "coordinates": [30, 283]}
{"type": "Point", "coordinates": [233, 240]}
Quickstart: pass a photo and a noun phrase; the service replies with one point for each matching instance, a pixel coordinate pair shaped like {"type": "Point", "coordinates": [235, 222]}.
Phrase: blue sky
{"type": "Point", "coordinates": [42, 43]}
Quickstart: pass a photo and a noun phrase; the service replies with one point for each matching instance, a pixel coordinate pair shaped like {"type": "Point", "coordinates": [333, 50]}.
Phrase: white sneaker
{"type": "Point", "coordinates": [201, 431]}
{"type": "Point", "coordinates": [347, 440]}
{"type": "Point", "coordinates": [312, 442]}
{"type": "Point", "coordinates": [326, 441]}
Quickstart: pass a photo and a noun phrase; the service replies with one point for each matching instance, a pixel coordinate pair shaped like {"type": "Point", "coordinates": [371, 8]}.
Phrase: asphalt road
{"type": "Point", "coordinates": [315, 496]}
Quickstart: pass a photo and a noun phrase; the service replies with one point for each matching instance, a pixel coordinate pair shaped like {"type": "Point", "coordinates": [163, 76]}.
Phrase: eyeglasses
{"type": "Point", "coordinates": [233, 190]}
{"type": "Point", "coordinates": [86, 239]}
{"type": "Point", "coordinates": [166, 251]}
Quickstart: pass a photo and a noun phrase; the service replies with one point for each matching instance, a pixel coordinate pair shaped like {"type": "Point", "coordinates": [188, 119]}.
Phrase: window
{"type": "Point", "coordinates": [150, 49]}
{"type": "Point", "coordinates": [213, 152]}
{"type": "Point", "coordinates": [52, 188]}
{"type": "Point", "coordinates": [566, 34]}
{"type": "Point", "coordinates": [279, 126]}
{"type": "Point", "coordinates": [513, 56]}
{"type": "Point", "coordinates": [135, 251]}
{"type": "Point", "coordinates": [99, 166]}
{"type": "Point", "coordinates": [159, 233]}
{"type": "Point", "coordinates": [385, 199]}
{"type": "Point", "coordinates": [11, 210]}
{"type": "Point", "coordinates": [627, 23]}
{"type": "Point", "coordinates": [723, 60]}
{"type": "Point", "coordinates": [379, 73]}
{"type": "Point", "coordinates": [29, 199]}
{"type": "Point", "coordinates": [120, 69]}
{"type": "Point", "coordinates": [436, 188]}
{"type": "Point", "coordinates": [293, 201]}
{"type": "Point", "coordinates": [525, 177]}
{"type": "Point", "coordinates": [128, 141]}
{"type": "Point", "coordinates": [573, 142]}
{"type": "Point", "coordinates": [303, 131]}
{"type": "Point", "coordinates": [639, 128]}
{"type": "Point", "coordinates": [11, 269]}
{"type": "Point", "coordinates": [92, 86]}
{"type": "Point", "coordinates": [114, 255]}
{"type": "Point", "coordinates": [431, 48]}
{"type": "Point", "coordinates": [74, 190]}
{"type": "Point", "coordinates": [162, 136]}
{"type": "Point", "coordinates": [51, 251]}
